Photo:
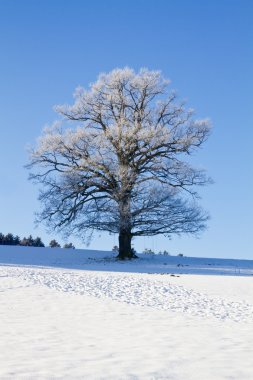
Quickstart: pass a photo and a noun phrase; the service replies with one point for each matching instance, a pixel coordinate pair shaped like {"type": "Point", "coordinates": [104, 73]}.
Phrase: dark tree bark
{"type": "Point", "coordinates": [125, 234]}
{"type": "Point", "coordinates": [125, 249]}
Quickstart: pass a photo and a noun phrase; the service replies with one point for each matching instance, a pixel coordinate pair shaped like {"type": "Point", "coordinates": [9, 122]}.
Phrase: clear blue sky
{"type": "Point", "coordinates": [204, 46]}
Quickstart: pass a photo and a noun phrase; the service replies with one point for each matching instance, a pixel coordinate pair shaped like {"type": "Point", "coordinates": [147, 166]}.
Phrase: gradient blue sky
{"type": "Point", "coordinates": [204, 46]}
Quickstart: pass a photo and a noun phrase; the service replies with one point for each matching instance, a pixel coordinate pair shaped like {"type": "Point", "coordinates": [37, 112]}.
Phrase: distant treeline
{"type": "Point", "coordinates": [10, 239]}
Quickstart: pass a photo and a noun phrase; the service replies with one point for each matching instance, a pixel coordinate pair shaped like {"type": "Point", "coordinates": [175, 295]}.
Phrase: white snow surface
{"type": "Point", "coordinates": [79, 314]}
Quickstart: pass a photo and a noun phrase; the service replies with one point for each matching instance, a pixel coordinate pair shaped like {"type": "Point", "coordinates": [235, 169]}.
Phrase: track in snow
{"type": "Point", "coordinates": [142, 290]}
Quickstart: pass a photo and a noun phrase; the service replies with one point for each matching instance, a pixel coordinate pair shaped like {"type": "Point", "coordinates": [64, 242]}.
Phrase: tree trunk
{"type": "Point", "coordinates": [125, 236]}
{"type": "Point", "coordinates": [125, 250]}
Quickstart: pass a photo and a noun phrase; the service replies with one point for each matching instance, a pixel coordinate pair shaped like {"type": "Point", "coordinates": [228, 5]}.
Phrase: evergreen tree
{"type": "Point", "coordinates": [69, 245]}
{"type": "Point", "coordinates": [54, 244]}
{"type": "Point", "coordinates": [9, 239]}
{"type": "Point", "coordinates": [38, 242]}
{"type": "Point", "coordinates": [16, 240]}
{"type": "Point", "coordinates": [30, 241]}
{"type": "Point", "coordinates": [1, 238]}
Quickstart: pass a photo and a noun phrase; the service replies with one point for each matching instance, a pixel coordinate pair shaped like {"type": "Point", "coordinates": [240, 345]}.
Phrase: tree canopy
{"type": "Point", "coordinates": [124, 168]}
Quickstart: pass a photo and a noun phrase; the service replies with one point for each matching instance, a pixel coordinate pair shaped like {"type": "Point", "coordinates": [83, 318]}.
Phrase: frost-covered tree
{"type": "Point", "coordinates": [124, 168]}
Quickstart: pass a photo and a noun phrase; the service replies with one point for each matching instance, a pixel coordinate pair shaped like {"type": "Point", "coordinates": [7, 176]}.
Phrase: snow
{"type": "Point", "coordinates": [74, 314]}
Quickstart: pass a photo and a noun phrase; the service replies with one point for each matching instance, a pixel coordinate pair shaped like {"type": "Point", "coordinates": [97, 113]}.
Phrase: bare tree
{"type": "Point", "coordinates": [124, 168]}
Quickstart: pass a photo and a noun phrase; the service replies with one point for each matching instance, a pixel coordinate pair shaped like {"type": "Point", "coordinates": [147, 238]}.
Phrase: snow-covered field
{"type": "Point", "coordinates": [81, 315]}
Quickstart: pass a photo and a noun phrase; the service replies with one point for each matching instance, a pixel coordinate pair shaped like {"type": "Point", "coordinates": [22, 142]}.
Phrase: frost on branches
{"type": "Point", "coordinates": [123, 168]}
